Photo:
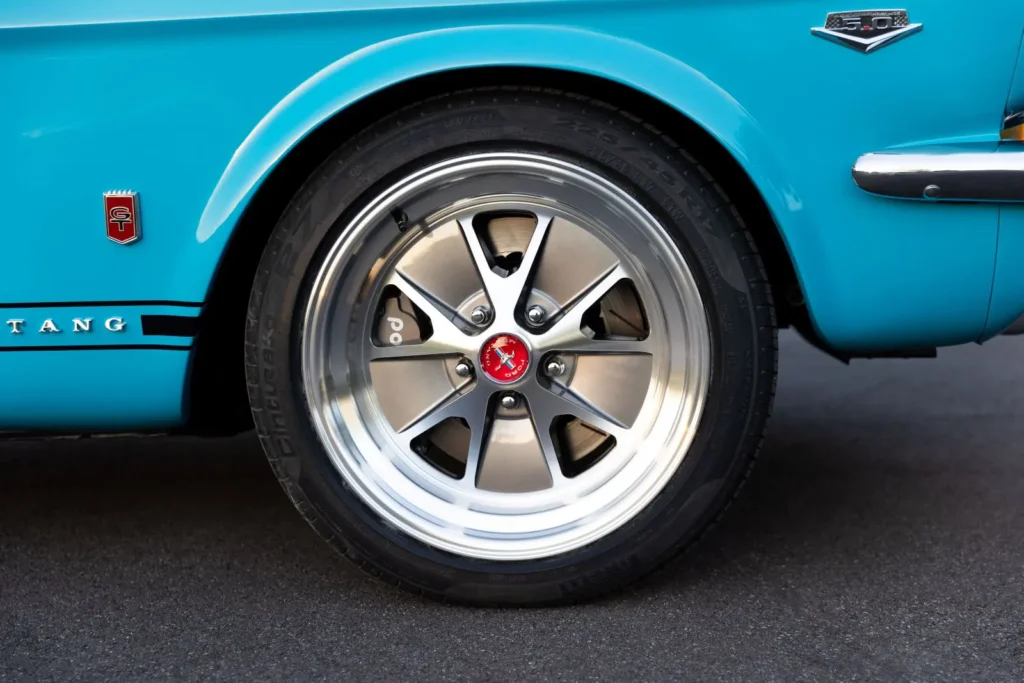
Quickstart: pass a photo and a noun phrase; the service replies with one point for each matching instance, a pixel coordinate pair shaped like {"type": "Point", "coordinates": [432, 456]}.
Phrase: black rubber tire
{"type": "Point", "coordinates": [652, 168]}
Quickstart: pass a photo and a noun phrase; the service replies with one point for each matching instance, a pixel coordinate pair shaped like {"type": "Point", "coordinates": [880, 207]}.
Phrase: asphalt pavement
{"type": "Point", "coordinates": [880, 538]}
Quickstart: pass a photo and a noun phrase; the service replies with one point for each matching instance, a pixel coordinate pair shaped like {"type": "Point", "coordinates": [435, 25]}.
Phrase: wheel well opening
{"type": "Point", "coordinates": [217, 398]}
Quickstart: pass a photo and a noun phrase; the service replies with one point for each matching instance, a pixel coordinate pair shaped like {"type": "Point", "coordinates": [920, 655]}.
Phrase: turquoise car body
{"type": "Point", "coordinates": [194, 104]}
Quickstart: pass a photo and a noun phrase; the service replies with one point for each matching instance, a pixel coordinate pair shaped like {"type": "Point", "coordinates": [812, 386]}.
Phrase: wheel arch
{"type": "Point", "coordinates": [297, 135]}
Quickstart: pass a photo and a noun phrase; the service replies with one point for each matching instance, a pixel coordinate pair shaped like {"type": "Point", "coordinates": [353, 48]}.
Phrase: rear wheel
{"type": "Point", "coordinates": [510, 348]}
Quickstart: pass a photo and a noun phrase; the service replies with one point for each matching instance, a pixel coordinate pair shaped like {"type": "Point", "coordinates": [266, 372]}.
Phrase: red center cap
{"type": "Point", "coordinates": [505, 358]}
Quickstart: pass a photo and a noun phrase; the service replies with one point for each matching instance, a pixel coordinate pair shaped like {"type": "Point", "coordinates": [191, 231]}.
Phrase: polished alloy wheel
{"type": "Point", "coordinates": [505, 356]}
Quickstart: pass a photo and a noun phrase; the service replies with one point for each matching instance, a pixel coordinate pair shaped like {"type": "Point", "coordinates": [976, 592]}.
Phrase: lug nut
{"type": "Point", "coordinates": [480, 315]}
{"type": "Point", "coordinates": [536, 315]}
{"type": "Point", "coordinates": [555, 367]}
{"type": "Point", "coordinates": [509, 401]}
{"type": "Point", "coordinates": [463, 368]}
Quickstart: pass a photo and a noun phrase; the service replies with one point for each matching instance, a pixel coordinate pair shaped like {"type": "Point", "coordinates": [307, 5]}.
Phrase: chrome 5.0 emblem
{"type": "Point", "coordinates": [867, 30]}
{"type": "Point", "coordinates": [122, 212]}
{"type": "Point", "coordinates": [504, 358]}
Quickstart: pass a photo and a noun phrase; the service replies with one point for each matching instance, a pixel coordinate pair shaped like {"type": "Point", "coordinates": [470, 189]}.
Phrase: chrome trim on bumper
{"type": "Point", "coordinates": [964, 174]}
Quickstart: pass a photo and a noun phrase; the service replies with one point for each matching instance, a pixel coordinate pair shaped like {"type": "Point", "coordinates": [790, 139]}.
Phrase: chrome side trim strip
{"type": "Point", "coordinates": [965, 175]}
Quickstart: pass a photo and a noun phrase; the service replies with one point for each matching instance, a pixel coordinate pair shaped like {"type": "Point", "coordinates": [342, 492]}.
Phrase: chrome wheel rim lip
{"type": "Point", "coordinates": [405, 491]}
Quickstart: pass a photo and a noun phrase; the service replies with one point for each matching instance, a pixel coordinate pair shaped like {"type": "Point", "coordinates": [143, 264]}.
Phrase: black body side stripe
{"type": "Point", "coordinates": [170, 325]}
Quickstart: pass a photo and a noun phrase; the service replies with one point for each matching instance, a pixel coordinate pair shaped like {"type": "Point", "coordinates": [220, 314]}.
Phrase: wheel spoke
{"type": "Point", "coordinates": [506, 292]}
{"type": "Point", "coordinates": [417, 392]}
{"type": "Point", "coordinates": [455, 404]}
{"type": "Point", "coordinates": [426, 349]}
{"type": "Point", "coordinates": [541, 422]}
{"type": "Point", "coordinates": [441, 267]}
{"type": "Point", "coordinates": [573, 258]}
{"type": "Point", "coordinates": [546, 405]}
{"type": "Point", "coordinates": [583, 344]}
{"type": "Point", "coordinates": [491, 280]}
{"type": "Point", "coordinates": [612, 385]}
{"type": "Point", "coordinates": [519, 280]}
{"type": "Point", "coordinates": [446, 336]}
{"type": "Point", "coordinates": [565, 333]}
{"type": "Point", "coordinates": [480, 420]}
{"type": "Point", "coordinates": [547, 446]}
{"type": "Point", "coordinates": [473, 407]}
{"type": "Point", "coordinates": [513, 459]}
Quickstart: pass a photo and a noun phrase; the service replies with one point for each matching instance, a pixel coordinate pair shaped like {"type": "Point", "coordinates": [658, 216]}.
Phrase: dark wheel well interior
{"type": "Point", "coordinates": [218, 403]}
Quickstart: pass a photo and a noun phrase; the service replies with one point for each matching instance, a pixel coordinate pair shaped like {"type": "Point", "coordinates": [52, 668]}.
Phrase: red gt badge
{"type": "Point", "coordinates": [122, 212]}
{"type": "Point", "coordinates": [505, 358]}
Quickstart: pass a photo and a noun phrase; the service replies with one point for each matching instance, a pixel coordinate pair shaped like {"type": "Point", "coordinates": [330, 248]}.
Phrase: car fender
{"type": "Point", "coordinates": [379, 66]}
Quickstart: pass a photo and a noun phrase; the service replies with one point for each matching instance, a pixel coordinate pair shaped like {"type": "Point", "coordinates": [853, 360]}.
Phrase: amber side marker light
{"type": "Point", "coordinates": [1013, 127]}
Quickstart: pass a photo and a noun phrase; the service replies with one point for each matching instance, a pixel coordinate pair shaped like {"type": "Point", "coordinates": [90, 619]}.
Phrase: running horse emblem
{"type": "Point", "coordinates": [506, 358]}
